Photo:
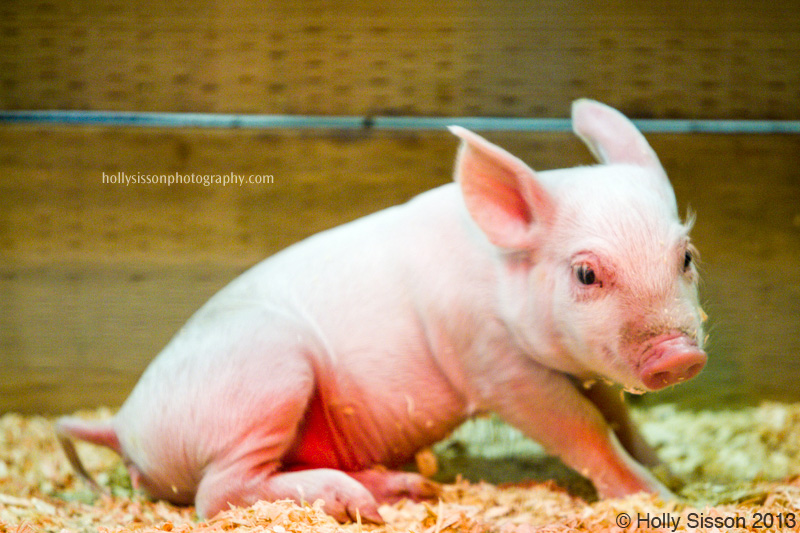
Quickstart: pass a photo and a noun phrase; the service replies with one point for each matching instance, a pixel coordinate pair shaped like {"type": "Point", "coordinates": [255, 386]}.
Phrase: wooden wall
{"type": "Point", "coordinates": [95, 278]}
{"type": "Point", "coordinates": [665, 58]}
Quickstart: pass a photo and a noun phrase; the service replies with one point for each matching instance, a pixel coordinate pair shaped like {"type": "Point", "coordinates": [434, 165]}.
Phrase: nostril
{"type": "Point", "coordinates": [693, 370]}
{"type": "Point", "coordinates": [665, 378]}
{"type": "Point", "coordinates": [661, 378]}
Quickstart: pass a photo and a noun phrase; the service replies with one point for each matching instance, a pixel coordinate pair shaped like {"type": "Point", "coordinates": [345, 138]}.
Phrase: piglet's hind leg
{"type": "Point", "coordinates": [241, 485]}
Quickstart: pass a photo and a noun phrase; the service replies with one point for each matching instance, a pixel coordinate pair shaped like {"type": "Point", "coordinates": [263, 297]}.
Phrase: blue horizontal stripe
{"type": "Point", "coordinates": [219, 120]}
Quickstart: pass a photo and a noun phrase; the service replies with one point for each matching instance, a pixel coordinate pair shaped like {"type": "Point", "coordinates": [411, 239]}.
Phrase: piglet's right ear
{"type": "Point", "coordinates": [501, 192]}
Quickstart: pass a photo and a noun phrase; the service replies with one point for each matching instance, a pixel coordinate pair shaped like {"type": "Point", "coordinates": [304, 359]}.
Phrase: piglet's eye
{"type": "Point", "coordinates": [687, 260]}
{"type": "Point", "coordinates": [585, 275]}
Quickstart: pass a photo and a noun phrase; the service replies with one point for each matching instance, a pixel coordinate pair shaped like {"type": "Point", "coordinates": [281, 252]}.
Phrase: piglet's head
{"type": "Point", "coordinates": [598, 275]}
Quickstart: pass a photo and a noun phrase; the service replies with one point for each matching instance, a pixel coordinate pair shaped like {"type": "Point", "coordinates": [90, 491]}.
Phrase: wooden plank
{"type": "Point", "coordinates": [77, 334]}
{"type": "Point", "coordinates": [95, 278]}
{"type": "Point", "coordinates": [711, 59]}
{"type": "Point", "coordinates": [55, 203]}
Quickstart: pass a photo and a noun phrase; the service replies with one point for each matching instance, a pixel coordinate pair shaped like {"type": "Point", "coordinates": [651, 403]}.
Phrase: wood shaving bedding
{"type": "Point", "coordinates": [741, 468]}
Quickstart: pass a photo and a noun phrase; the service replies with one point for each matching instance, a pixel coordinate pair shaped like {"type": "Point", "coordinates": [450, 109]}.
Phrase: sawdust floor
{"type": "Point", "coordinates": [741, 471]}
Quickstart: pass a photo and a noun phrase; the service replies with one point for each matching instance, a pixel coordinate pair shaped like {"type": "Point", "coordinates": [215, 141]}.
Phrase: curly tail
{"type": "Point", "coordinates": [96, 432]}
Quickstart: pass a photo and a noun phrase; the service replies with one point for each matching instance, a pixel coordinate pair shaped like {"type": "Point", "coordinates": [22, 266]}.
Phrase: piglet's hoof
{"type": "Point", "coordinates": [389, 486]}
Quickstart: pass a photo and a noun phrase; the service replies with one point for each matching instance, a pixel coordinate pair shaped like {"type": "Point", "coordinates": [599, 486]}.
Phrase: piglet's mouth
{"type": "Point", "coordinates": [670, 359]}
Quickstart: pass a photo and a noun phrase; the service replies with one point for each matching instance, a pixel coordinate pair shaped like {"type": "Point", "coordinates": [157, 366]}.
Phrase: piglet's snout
{"type": "Point", "coordinates": [671, 360]}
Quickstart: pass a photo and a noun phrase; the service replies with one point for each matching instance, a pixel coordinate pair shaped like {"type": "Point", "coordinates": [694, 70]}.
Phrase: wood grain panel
{"type": "Point", "coordinates": [711, 59]}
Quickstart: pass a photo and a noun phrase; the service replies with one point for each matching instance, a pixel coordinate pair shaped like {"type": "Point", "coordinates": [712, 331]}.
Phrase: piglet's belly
{"type": "Point", "coordinates": [350, 440]}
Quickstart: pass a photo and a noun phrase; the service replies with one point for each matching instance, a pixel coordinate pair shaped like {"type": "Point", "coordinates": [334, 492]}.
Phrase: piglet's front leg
{"type": "Point", "coordinates": [547, 407]}
{"type": "Point", "coordinates": [608, 399]}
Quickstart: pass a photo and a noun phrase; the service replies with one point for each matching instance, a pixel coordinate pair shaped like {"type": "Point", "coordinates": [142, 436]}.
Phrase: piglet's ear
{"type": "Point", "coordinates": [610, 136]}
{"type": "Point", "coordinates": [613, 138]}
{"type": "Point", "coordinates": [501, 192]}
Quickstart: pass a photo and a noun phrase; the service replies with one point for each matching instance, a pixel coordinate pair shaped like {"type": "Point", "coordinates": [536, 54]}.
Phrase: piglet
{"type": "Point", "coordinates": [524, 293]}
